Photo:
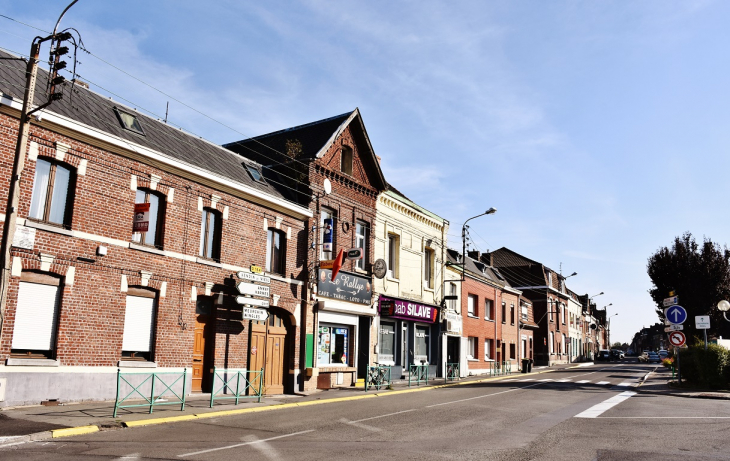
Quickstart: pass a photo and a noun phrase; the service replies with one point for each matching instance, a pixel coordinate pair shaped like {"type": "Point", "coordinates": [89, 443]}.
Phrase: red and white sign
{"type": "Point", "coordinates": [141, 217]}
{"type": "Point", "coordinates": [677, 338]}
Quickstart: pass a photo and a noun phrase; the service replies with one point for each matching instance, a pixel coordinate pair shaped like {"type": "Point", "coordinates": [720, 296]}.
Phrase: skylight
{"type": "Point", "coordinates": [129, 121]}
{"type": "Point", "coordinates": [255, 173]}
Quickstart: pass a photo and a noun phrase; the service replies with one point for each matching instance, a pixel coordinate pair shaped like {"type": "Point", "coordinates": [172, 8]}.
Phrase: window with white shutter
{"type": "Point", "coordinates": [36, 317]}
{"type": "Point", "coordinates": [139, 321]}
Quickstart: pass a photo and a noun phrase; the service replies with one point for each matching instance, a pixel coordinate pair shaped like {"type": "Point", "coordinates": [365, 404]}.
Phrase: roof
{"type": "Point", "coordinates": [97, 112]}
{"type": "Point", "coordinates": [508, 258]}
{"type": "Point", "coordinates": [477, 268]}
{"type": "Point", "coordinates": [400, 197]}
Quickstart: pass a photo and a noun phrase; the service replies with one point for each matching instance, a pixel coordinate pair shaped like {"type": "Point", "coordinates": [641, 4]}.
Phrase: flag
{"type": "Point", "coordinates": [337, 265]}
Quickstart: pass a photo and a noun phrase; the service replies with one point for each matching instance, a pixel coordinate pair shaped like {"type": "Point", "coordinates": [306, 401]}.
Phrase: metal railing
{"type": "Point", "coordinates": [153, 395]}
{"type": "Point", "coordinates": [500, 368]}
{"type": "Point", "coordinates": [418, 374]}
{"type": "Point", "coordinates": [378, 377]}
{"type": "Point", "coordinates": [236, 384]}
{"type": "Point", "coordinates": [452, 372]}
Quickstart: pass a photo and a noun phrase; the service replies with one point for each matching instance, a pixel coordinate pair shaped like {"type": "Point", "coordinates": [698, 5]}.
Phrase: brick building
{"type": "Point", "coordinates": [329, 167]}
{"type": "Point", "coordinates": [130, 236]}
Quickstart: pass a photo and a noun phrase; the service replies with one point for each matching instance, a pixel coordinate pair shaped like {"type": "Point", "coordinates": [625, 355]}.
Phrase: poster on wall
{"type": "Point", "coordinates": [327, 236]}
{"type": "Point", "coordinates": [141, 217]}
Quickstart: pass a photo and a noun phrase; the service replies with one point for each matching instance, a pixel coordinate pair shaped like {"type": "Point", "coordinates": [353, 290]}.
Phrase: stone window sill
{"type": "Point", "coordinates": [208, 262]}
{"type": "Point", "coordinates": [48, 228]}
{"type": "Point", "coordinates": [32, 362]}
{"type": "Point", "coordinates": [136, 364]}
{"type": "Point", "coordinates": [148, 249]}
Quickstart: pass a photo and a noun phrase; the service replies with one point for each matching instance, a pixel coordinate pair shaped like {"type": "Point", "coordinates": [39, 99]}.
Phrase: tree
{"type": "Point", "coordinates": [698, 274]}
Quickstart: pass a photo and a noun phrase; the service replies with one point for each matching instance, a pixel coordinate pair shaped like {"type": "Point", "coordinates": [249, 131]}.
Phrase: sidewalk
{"type": "Point", "coordinates": [661, 382]}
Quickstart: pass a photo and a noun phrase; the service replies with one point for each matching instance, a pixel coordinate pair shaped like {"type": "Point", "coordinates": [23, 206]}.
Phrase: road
{"type": "Point", "coordinates": [582, 413]}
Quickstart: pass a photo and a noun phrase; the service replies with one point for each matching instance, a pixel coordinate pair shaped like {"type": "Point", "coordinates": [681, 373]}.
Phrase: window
{"type": "Point", "coordinates": [153, 235]}
{"type": "Point", "coordinates": [275, 252]}
{"type": "Point", "coordinates": [361, 241]}
{"type": "Point", "coordinates": [393, 255]}
{"type": "Point", "coordinates": [139, 324]}
{"type": "Point", "coordinates": [326, 214]}
{"type": "Point", "coordinates": [254, 172]}
{"type": "Point", "coordinates": [562, 312]}
{"type": "Point", "coordinates": [471, 303]}
{"type": "Point", "coordinates": [36, 316]}
{"type": "Point", "coordinates": [346, 160]}
{"type": "Point", "coordinates": [524, 312]}
{"type": "Point", "coordinates": [50, 201]}
{"type": "Point", "coordinates": [531, 356]}
{"type": "Point", "coordinates": [428, 256]}
{"type": "Point", "coordinates": [210, 234]}
{"type": "Point", "coordinates": [129, 121]}
{"type": "Point", "coordinates": [512, 314]}
{"type": "Point", "coordinates": [512, 351]}
{"type": "Point", "coordinates": [487, 349]}
{"type": "Point", "coordinates": [387, 342]}
{"type": "Point", "coordinates": [452, 292]}
{"type": "Point", "coordinates": [563, 350]}
{"type": "Point", "coordinates": [333, 345]}
{"type": "Point", "coordinates": [471, 352]}
{"type": "Point", "coordinates": [552, 342]}
{"type": "Point", "coordinates": [504, 312]}
{"type": "Point", "coordinates": [551, 309]}
{"type": "Point", "coordinates": [422, 342]}
{"type": "Point", "coordinates": [488, 309]}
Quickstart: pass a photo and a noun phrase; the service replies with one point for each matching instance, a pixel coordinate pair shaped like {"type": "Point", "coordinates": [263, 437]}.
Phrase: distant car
{"type": "Point", "coordinates": [652, 357]}
{"type": "Point", "coordinates": [616, 354]}
{"type": "Point", "coordinates": [604, 355]}
{"type": "Point", "coordinates": [663, 354]}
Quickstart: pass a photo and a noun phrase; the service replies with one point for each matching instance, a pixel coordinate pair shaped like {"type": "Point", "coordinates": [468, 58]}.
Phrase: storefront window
{"type": "Point", "coordinates": [387, 342]}
{"type": "Point", "coordinates": [333, 345]}
{"type": "Point", "coordinates": [421, 344]}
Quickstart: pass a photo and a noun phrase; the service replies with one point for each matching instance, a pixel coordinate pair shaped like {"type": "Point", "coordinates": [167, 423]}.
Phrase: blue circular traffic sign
{"type": "Point", "coordinates": [676, 314]}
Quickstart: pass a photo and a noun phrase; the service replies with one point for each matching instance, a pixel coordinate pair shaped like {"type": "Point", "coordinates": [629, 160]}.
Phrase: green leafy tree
{"type": "Point", "coordinates": [699, 274]}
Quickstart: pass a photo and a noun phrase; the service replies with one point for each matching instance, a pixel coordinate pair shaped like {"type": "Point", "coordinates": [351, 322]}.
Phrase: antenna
{"type": "Point", "coordinates": [167, 109]}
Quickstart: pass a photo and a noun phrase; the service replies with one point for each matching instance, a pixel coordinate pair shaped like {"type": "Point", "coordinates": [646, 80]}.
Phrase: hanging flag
{"type": "Point", "coordinates": [337, 265]}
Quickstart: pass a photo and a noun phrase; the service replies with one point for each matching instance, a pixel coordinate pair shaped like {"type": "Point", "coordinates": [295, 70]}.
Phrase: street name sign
{"type": "Point", "coordinates": [676, 314]}
{"type": "Point", "coordinates": [255, 314]}
{"type": "Point", "coordinates": [702, 322]}
{"type": "Point", "coordinates": [253, 290]}
{"type": "Point", "coordinates": [673, 327]}
{"type": "Point", "coordinates": [253, 277]}
{"type": "Point", "coordinates": [671, 301]}
{"type": "Point", "coordinates": [252, 301]}
{"type": "Point", "coordinates": [677, 338]}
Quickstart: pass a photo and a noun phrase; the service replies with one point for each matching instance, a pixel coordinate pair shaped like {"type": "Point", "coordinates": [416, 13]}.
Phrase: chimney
{"type": "Point", "coordinates": [473, 255]}
{"type": "Point", "coordinates": [80, 83]}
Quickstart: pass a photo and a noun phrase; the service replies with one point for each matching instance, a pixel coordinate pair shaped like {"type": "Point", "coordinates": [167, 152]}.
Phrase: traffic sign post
{"type": "Point", "coordinates": [668, 302]}
{"type": "Point", "coordinates": [677, 338]}
{"type": "Point", "coordinates": [676, 314]}
{"type": "Point", "coordinates": [673, 327]}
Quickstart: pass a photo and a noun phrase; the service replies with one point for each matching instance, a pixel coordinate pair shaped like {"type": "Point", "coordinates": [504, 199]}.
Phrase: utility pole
{"type": "Point", "coordinates": [11, 209]}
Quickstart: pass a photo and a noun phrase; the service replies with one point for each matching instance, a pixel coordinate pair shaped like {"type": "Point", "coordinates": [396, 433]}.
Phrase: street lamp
{"type": "Point", "coordinates": [608, 320]}
{"type": "Point", "coordinates": [591, 297]}
{"type": "Point", "coordinates": [723, 306]}
{"type": "Point", "coordinates": [463, 240]}
{"type": "Point", "coordinates": [574, 273]}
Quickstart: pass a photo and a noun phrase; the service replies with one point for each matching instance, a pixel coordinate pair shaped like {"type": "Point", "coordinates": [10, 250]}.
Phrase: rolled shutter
{"type": "Point", "coordinates": [138, 321]}
{"type": "Point", "coordinates": [35, 317]}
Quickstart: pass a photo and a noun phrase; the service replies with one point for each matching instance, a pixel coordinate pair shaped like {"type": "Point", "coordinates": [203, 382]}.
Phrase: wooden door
{"type": "Point", "coordinates": [201, 357]}
{"type": "Point", "coordinates": [268, 350]}
{"type": "Point", "coordinates": [257, 351]}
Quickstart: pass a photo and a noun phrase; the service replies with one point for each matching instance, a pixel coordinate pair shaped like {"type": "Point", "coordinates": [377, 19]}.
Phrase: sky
{"type": "Point", "coordinates": [597, 129]}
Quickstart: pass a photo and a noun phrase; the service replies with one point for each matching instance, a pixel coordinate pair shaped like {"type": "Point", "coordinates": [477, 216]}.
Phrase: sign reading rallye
{"type": "Point", "coordinates": [345, 287]}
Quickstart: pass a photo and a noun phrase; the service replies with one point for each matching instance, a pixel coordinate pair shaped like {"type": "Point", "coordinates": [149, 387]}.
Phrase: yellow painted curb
{"type": "Point", "coordinates": [74, 431]}
{"type": "Point", "coordinates": [149, 422]}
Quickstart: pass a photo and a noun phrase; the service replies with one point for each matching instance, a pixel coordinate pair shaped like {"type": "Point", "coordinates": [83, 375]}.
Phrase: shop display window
{"type": "Point", "coordinates": [333, 345]}
{"type": "Point", "coordinates": [387, 342]}
{"type": "Point", "coordinates": [422, 334]}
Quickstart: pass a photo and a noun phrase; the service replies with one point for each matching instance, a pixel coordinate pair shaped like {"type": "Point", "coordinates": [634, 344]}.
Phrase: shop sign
{"type": "Point", "coordinates": [345, 287]}
{"type": "Point", "coordinates": [407, 310]}
{"type": "Point", "coordinates": [453, 322]}
{"type": "Point", "coordinates": [327, 236]}
{"type": "Point", "coordinates": [327, 264]}
{"type": "Point", "coordinates": [141, 217]}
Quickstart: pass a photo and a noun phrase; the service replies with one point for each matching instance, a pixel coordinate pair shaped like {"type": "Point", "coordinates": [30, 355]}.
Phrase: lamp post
{"type": "Point", "coordinates": [608, 320]}
{"type": "Point", "coordinates": [463, 240]}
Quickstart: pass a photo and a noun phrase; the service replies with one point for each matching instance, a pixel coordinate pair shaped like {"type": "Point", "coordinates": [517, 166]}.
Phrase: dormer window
{"type": "Point", "coordinates": [346, 160]}
{"type": "Point", "coordinates": [129, 121]}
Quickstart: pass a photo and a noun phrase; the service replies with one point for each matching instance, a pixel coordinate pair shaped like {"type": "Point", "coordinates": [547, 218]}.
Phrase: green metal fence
{"type": "Point", "coordinates": [146, 386]}
{"type": "Point", "coordinates": [418, 374]}
{"type": "Point", "coordinates": [237, 384]}
{"type": "Point", "coordinates": [452, 372]}
{"type": "Point", "coordinates": [378, 377]}
{"type": "Point", "coordinates": [500, 368]}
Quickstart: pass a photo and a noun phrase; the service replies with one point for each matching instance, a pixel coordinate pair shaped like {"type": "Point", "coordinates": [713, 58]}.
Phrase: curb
{"type": "Point", "coordinates": [69, 431]}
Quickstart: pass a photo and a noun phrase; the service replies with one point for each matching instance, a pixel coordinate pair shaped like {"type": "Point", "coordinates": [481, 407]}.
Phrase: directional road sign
{"type": "Point", "coordinates": [677, 339]}
{"type": "Point", "coordinates": [671, 301]}
{"type": "Point", "coordinates": [255, 314]}
{"type": "Point", "coordinates": [702, 322]}
{"type": "Point", "coordinates": [673, 327]}
{"type": "Point", "coordinates": [676, 314]}
{"type": "Point", "coordinates": [253, 277]}
{"type": "Point", "coordinates": [252, 301]}
{"type": "Point", "coordinates": [252, 289]}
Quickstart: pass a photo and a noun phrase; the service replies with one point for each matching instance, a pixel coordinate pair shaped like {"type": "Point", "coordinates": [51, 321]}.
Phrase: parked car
{"type": "Point", "coordinates": [650, 357]}
{"type": "Point", "coordinates": [604, 355]}
{"type": "Point", "coordinates": [616, 354]}
{"type": "Point", "coordinates": [663, 354]}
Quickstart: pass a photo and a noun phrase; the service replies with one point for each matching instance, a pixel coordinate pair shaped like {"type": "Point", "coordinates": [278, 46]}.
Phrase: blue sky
{"type": "Point", "coordinates": [597, 129]}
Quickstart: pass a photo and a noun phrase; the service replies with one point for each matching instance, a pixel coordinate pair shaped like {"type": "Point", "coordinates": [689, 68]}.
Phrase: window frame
{"type": "Point", "coordinates": [144, 356]}
{"type": "Point", "coordinates": [504, 312]}
{"type": "Point", "coordinates": [215, 245]}
{"type": "Point", "coordinates": [488, 309]}
{"type": "Point", "coordinates": [427, 332]}
{"type": "Point", "coordinates": [47, 206]}
{"type": "Point", "coordinates": [472, 308]}
{"type": "Point", "coordinates": [386, 358]}
{"type": "Point", "coordinates": [361, 241]}
{"type": "Point", "coordinates": [393, 247]}
{"type": "Point", "coordinates": [471, 349]}
{"type": "Point", "coordinates": [275, 265]}
{"type": "Point", "coordinates": [428, 262]}
{"type": "Point", "coordinates": [327, 213]}
{"type": "Point", "coordinates": [512, 313]}
{"type": "Point", "coordinates": [347, 160]}
{"type": "Point", "coordinates": [47, 279]}
{"type": "Point", "coordinates": [134, 129]}
{"type": "Point", "coordinates": [160, 218]}
{"type": "Point", "coordinates": [488, 350]}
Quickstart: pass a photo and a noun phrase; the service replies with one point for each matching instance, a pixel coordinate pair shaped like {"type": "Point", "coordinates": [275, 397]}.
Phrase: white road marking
{"type": "Point", "coordinates": [360, 425]}
{"type": "Point", "coordinates": [525, 380]}
{"type": "Point", "coordinates": [583, 381]}
{"type": "Point", "coordinates": [665, 417]}
{"type": "Point", "coordinates": [596, 410]}
{"type": "Point", "coordinates": [602, 383]}
{"type": "Point", "coordinates": [625, 384]}
{"type": "Point", "coordinates": [263, 447]}
{"type": "Point", "coordinates": [383, 416]}
{"type": "Point", "coordinates": [243, 444]}
{"type": "Point", "coordinates": [545, 380]}
{"type": "Point", "coordinates": [508, 380]}
{"type": "Point", "coordinates": [132, 456]}
{"type": "Point", "coordinates": [564, 380]}
{"type": "Point", "coordinates": [482, 396]}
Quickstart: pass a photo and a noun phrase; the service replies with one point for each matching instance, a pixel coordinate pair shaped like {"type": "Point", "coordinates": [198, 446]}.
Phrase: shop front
{"type": "Point", "coordinates": [407, 335]}
{"type": "Point", "coordinates": [344, 317]}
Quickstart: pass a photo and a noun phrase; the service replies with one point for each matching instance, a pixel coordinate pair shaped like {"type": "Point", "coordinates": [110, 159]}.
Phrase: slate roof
{"type": "Point", "coordinates": [97, 111]}
{"type": "Point", "coordinates": [478, 268]}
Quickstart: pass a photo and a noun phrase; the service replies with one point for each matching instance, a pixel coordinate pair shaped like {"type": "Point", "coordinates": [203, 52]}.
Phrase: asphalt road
{"type": "Point", "coordinates": [581, 413]}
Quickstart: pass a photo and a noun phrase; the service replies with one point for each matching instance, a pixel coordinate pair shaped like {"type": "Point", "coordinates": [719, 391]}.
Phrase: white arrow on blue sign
{"type": "Point", "coordinates": [676, 314]}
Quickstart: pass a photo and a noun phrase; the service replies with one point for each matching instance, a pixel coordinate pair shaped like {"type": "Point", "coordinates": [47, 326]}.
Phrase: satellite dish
{"type": "Point", "coordinates": [723, 306]}
{"type": "Point", "coordinates": [327, 186]}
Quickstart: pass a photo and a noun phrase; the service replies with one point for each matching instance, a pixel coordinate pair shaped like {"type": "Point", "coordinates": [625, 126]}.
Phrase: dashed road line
{"type": "Point", "coordinates": [243, 444]}
{"type": "Point", "coordinates": [597, 410]}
